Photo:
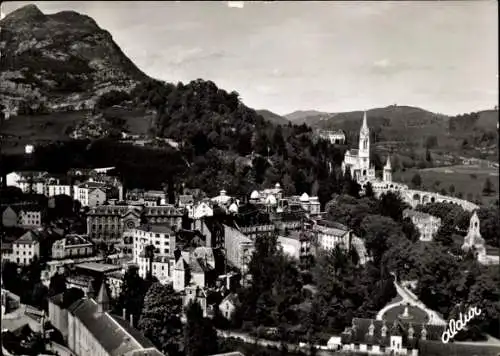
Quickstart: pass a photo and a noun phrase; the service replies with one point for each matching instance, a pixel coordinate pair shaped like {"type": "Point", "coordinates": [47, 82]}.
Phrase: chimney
{"type": "Point", "coordinates": [124, 315]}
{"type": "Point", "coordinates": [131, 320]}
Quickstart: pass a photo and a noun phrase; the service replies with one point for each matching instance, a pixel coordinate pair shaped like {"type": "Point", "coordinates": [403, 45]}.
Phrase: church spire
{"type": "Point", "coordinates": [365, 125]}
{"type": "Point", "coordinates": [388, 164]}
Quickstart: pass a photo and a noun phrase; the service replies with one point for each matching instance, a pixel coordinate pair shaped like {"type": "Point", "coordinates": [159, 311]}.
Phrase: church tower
{"type": "Point", "coordinates": [387, 176]}
{"type": "Point", "coordinates": [364, 145]}
{"type": "Point", "coordinates": [473, 237]}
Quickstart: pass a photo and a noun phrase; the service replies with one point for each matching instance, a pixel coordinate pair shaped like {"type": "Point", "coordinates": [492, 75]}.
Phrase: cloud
{"type": "Point", "coordinates": [185, 56]}
{"type": "Point", "coordinates": [383, 63]}
{"type": "Point", "coordinates": [386, 67]}
{"type": "Point", "coordinates": [236, 4]}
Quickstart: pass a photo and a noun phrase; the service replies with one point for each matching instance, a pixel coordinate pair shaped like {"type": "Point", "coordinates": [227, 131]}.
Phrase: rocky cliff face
{"type": "Point", "coordinates": [49, 62]}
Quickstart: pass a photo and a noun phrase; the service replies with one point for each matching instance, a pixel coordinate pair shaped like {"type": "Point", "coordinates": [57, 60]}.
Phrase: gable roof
{"type": "Point", "coordinates": [30, 237]}
{"type": "Point", "coordinates": [115, 335]}
{"type": "Point", "coordinates": [232, 298]}
{"type": "Point", "coordinates": [358, 333]}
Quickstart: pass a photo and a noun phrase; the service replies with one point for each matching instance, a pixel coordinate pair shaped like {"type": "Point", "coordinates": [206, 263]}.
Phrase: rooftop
{"type": "Point", "coordinates": [115, 335]}
{"type": "Point", "coordinates": [156, 228]}
{"type": "Point", "coordinates": [29, 237]}
{"type": "Point", "coordinates": [98, 267]}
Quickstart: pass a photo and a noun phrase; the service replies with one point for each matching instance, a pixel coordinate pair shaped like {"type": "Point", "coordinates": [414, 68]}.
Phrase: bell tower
{"type": "Point", "coordinates": [364, 147]}
{"type": "Point", "coordinates": [388, 171]}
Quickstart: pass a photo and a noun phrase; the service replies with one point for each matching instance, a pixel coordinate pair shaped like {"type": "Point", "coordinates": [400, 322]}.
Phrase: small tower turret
{"type": "Point", "coordinates": [387, 176]}
{"type": "Point", "coordinates": [102, 299]}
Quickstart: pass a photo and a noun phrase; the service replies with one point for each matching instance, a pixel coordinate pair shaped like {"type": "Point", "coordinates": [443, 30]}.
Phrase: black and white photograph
{"type": "Point", "coordinates": [249, 178]}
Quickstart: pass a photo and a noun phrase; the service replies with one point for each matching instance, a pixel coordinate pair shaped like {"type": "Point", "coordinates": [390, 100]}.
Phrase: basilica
{"type": "Point", "coordinates": [357, 161]}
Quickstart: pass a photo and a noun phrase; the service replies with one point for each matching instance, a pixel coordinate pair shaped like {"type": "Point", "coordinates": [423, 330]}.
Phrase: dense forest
{"type": "Point", "coordinates": [222, 145]}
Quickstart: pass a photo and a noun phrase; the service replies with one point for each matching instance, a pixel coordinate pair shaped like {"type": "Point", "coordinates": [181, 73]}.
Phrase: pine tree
{"type": "Point", "coordinates": [488, 187]}
{"type": "Point", "coordinates": [200, 337]}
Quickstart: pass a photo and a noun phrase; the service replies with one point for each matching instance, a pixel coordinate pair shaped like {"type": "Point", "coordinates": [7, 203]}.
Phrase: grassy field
{"type": "Point", "coordinates": [466, 179]}
{"type": "Point", "coordinates": [21, 130]}
{"type": "Point", "coordinates": [137, 121]}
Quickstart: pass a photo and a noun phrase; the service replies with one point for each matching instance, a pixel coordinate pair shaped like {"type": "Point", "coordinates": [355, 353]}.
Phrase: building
{"type": "Point", "coordinates": [238, 247]}
{"type": "Point", "coordinates": [114, 280]}
{"type": "Point", "coordinates": [330, 234]}
{"type": "Point", "coordinates": [194, 294]}
{"type": "Point", "coordinates": [297, 245]}
{"type": "Point", "coordinates": [196, 268]}
{"type": "Point", "coordinates": [24, 215]}
{"type": "Point", "coordinates": [379, 337]}
{"type": "Point", "coordinates": [357, 161]}
{"type": "Point", "coordinates": [475, 242]}
{"type": "Point", "coordinates": [426, 224]}
{"type": "Point", "coordinates": [228, 305]}
{"type": "Point", "coordinates": [27, 181]}
{"type": "Point", "coordinates": [108, 223]}
{"type": "Point", "coordinates": [91, 193]}
{"type": "Point", "coordinates": [92, 330]}
{"type": "Point", "coordinates": [10, 216]}
{"type": "Point", "coordinates": [26, 248]}
{"type": "Point", "coordinates": [162, 238]}
{"type": "Point", "coordinates": [336, 137]}
{"type": "Point", "coordinates": [72, 246]}
{"type": "Point", "coordinates": [148, 198]}
{"type": "Point", "coordinates": [31, 216]}
{"type": "Point", "coordinates": [200, 210]}
{"type": "Point", "coordinates": [59, 186]}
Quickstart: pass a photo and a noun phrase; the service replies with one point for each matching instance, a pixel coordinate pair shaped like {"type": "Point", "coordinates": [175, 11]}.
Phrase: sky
{"type": "Point", "coordinates": [327, 56]}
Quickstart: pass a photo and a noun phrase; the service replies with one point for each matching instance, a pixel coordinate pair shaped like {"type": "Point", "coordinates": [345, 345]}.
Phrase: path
{"type": "Point", "coordinates": [411, 299]}
{"type": "Point", "coordinates": [249, 339]}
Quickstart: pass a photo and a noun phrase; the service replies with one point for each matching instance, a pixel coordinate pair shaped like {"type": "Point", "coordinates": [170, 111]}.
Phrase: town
{"type": "Point", "coordinates": [84, 245]}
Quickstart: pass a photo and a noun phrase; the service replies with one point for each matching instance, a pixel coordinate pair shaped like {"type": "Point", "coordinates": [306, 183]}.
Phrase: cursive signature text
{"type": "Point", "coordinates": [455, 326]}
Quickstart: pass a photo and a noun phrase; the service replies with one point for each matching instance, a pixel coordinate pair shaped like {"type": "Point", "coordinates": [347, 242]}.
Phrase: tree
{"type": "Point", "coordinates": [428, 157]}
{"type": "Point", "coordinates": [410, 230]}
{"type": "Point", "coordinates": [379, 232]}
{"type": "Point", "coordinates": [416, 180]}
{"type": "Point", "coordinates": [488, 187]}
{"type": "Point", "coordinates": [451, 189]}
{"type": "Point", "coordinates": [10, 276]}
{"type": "Point", "coordinates": [160, 318]}
{"type": "Point", "coordinates": [369, 193]}
{"type": "Point", "coordinates": [490, 225]}
{"type": "Point", "coordinates": [200, 337]}
{"type": "Point", "coordinates": [57, 284]}
{"type": "Point", "coordinates": [132, 293]}
{"type": "Point", "coordinates": [391, 204]}
{"type": "Point", "coordinates": [445, 234]}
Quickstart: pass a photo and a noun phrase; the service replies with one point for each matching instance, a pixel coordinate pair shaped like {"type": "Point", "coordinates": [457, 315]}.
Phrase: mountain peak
{"type": "Point", "coordinates": [60, 60]}
{"type": "Point", "coordinates": [28, 12]}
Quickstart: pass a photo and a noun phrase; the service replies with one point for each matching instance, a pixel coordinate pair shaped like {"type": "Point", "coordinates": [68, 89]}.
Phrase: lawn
{"type": "Point", "coordinates": [418, 315]}
{"type": "Point", "coordinates": [21, 130]}
{"type": "Point", "coordinates": [468, 180]}
{"type": "Point", "coordinates": [137, 121]}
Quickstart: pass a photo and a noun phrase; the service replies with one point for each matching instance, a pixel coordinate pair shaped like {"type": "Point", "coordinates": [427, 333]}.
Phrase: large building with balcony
{"type": "Point", "coordinates": [162, 238]}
